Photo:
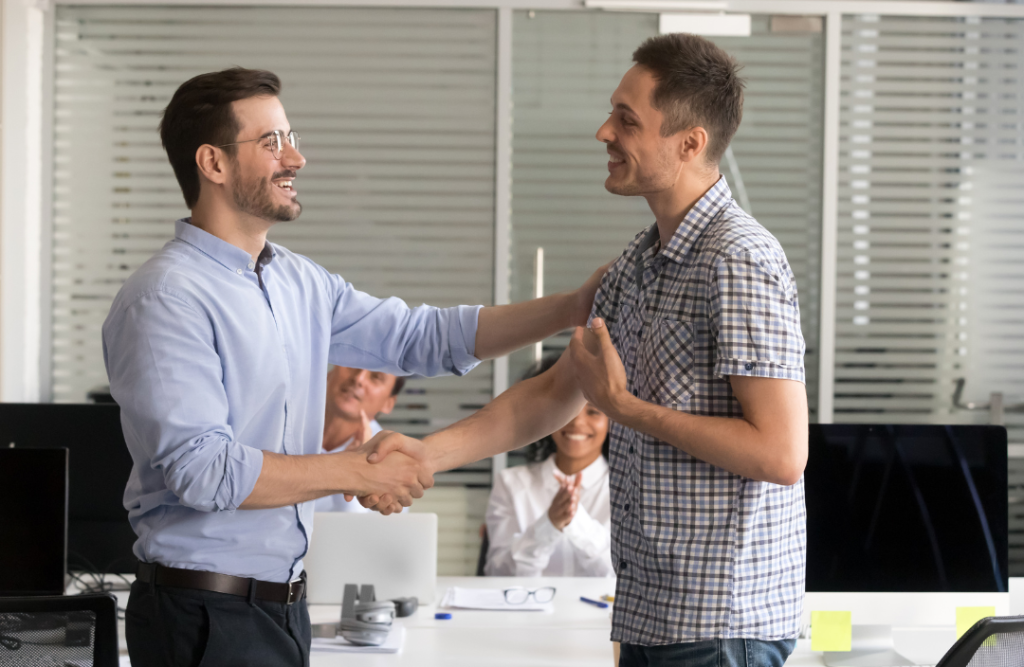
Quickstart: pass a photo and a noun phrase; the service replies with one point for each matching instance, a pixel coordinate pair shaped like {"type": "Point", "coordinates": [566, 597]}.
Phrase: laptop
{"type": "Point", "coordinates": [396, 553]}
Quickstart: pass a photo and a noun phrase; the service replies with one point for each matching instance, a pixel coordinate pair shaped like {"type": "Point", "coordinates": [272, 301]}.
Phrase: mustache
{"type": "Point", "coordinates": [283, 174]}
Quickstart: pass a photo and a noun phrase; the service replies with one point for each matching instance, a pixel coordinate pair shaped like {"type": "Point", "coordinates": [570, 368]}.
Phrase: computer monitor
{"type": "Point", "coordinates": [906, 508]}
{"type": "Point", "coordinates": [905, 523]}
{"type": "Point", "coordinates": [100, 539]}
{"type": "Point", "coordinates": [33, 521]}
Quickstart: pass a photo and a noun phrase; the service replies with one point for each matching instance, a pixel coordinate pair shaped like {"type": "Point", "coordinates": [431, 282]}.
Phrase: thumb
{"type": "Point", "coordinates": [600, 330]}
{"type": "Point", "coordinates": [382, 446]}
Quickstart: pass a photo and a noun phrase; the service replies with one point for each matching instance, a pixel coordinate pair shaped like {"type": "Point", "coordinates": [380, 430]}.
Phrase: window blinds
{"type": "Point", "coordinates": [396, 112]}
{"type": "Point", "coordinates": [931, 218]}
{"type": "Point", "coordinates": [566, 66]}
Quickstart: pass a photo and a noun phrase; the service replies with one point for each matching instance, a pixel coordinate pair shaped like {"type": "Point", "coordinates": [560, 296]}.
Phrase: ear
{"type": "Point", "coordinates": [389, 405]}
{"type": "Point", "coordinates": [213, 164]}
{"type": "Point", "coordinates": [693, 144]}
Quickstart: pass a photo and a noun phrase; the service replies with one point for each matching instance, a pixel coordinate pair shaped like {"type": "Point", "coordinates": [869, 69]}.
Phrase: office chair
{"type": "Point", "coordinates": [59, 630]}
{"type": "Point", "coordinates": [991, 642]}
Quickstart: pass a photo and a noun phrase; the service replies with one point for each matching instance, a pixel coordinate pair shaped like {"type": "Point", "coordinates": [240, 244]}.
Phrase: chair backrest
{"type": "Point", "coordinates": [59, 629]}
{"type": "Point", "coordinates": [991, 642]}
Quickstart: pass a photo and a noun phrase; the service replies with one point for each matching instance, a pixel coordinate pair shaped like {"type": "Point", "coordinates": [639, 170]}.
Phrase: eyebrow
{"type": "Point", "coordinates": [267, 134]}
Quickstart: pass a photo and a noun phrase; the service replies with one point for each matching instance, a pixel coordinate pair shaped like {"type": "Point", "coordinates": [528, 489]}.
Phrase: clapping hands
{"type": "Point", "coordinates": [566, 501]}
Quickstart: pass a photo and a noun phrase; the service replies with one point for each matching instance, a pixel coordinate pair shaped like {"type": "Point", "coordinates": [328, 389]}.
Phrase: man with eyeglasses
{"type": "Point", "coordinates": [215, 350]}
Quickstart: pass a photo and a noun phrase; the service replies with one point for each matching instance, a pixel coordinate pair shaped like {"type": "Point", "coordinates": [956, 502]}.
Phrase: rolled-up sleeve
{"type": "Point", "coordinates": [755, 316]}
{"type": "Point", "coordinates": [166, 375]}
{"type": "Point", "coordinates": [387, 335]}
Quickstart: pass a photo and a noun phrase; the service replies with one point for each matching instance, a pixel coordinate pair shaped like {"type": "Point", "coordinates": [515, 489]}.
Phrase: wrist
{"type": "Point", "coordinates": [624, 408]}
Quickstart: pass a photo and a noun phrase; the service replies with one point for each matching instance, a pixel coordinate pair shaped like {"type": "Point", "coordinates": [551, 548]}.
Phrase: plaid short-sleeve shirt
{"type": "Point", "coordinates": [700, 552]}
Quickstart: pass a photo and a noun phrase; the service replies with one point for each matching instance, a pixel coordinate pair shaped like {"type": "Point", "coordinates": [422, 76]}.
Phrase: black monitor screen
{"type": "Point", "coordinates": [100, 538]}
{"type": "Point", "coordinates": [907, 508]}
{"type": "Point", "coordinates": [33, 520]}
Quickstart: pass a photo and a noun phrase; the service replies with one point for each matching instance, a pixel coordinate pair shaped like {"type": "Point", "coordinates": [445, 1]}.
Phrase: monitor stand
{"type": "Point", "coordinates": [872, 646]}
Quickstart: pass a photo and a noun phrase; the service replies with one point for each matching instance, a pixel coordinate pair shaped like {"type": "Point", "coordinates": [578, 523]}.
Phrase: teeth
{"type": "Point", "coordinates": [612, 158]}
{"type": "Point", "coordinates": [284, 184]}
{"type": "Point", "coordinates": [576, 436]}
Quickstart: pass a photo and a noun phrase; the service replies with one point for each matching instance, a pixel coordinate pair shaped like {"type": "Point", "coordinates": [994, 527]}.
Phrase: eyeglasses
{"type": "Point", "coordinates": [519, 595]}
{"type": "Point", "coordinates": [275, 142]}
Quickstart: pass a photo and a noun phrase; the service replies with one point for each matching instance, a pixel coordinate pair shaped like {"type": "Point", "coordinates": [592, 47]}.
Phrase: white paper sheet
{"type": "Point", "coordinates": [393, 644]}
{"type": "Point", "coordinates": [489, 599]}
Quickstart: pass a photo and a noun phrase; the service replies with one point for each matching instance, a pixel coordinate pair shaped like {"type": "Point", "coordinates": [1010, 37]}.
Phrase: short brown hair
{"type": "Point", "coordinates": [698, 86]}
{"type": "Point", "coordinates": [200, 113]}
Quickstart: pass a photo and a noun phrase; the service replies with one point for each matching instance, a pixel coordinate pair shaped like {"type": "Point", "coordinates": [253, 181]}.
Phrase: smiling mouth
{"type": "Point", "coordinates": [285, 185]}
{"type": "Point", "coordinates": [577, 437]}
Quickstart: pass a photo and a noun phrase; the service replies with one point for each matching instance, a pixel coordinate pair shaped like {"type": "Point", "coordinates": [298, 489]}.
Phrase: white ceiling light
{"type": "Point", "coordinates": [712, 25]}
{"type": "Point", "coordinates": [657, 5]}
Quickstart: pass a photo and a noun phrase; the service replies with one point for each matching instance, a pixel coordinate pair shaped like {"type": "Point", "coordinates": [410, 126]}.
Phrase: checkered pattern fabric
{"type": "Point", "coordinates": [702, 553]}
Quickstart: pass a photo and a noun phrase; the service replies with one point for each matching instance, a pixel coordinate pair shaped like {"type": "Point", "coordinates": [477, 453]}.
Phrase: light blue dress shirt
{"type": "Point", "coordinates": [212, 366]}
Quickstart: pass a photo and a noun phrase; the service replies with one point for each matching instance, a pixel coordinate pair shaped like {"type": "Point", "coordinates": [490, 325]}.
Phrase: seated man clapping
{"type": "Point", "coordinates": [355, 397]}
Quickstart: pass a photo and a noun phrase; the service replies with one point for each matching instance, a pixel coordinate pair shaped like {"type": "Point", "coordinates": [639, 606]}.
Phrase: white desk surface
{"type": "Point", "coordinates": [575, 634]}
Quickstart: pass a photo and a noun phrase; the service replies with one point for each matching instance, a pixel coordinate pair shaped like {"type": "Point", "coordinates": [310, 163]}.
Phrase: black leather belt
{"type": "Point", "coordinates": [154, 573]}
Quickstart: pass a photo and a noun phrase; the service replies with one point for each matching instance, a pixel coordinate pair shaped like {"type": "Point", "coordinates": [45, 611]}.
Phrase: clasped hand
{"type": "Point", "coordinates": [397, 471]}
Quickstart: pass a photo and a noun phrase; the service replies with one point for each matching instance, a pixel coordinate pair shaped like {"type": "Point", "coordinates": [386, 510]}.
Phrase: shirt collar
{"type": "Point", "coordinates": [592, 474]}
{"type": "Point", "coordinates": [694, 222]}
{"type": "Point", "coordinates": [221, 251]}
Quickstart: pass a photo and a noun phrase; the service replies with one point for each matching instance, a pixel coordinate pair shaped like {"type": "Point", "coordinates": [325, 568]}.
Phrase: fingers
{"type": "Point", "coordinates": [348, 497]}
{"type": "Point", "coordinates": [367, 429]}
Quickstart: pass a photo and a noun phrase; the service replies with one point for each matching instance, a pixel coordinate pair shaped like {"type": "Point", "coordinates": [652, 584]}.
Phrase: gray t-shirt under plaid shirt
{"type": "Point", "coordinates": [702, 553]}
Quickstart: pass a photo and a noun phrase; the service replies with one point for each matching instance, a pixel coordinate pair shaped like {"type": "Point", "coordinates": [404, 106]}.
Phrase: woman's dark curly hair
{"type": "Point", "coordinates": [545, 447]}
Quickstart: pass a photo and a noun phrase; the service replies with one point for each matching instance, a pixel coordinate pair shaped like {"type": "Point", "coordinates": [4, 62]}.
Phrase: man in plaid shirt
{"type": "Point", "coordinates": [694, 351]}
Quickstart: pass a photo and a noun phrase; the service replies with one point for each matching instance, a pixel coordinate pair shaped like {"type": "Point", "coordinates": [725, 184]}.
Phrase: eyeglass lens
{"type": "Point", "coordinates": [277, 143]}
{"type": "Point", "coordinates": [521, 595]}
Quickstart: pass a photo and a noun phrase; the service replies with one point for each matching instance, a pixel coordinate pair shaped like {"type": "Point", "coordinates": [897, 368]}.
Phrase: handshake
{"type": "Point", "coordinates": [395, 469]}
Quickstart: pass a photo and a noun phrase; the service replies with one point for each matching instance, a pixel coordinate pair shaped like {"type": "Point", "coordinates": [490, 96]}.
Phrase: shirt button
{"type": "Point", "coordinates": [626, 507]}
{"type": "Point", "coordinates": [749, 367]}
{"type": "Point", "coordinates": [623, 565]}
{"type": "Point", "coordinates": [631, 449]}
{"type": "Point", "coordinates": [238, 271]}
{"type": "Point", "coordinates": [252, 265]}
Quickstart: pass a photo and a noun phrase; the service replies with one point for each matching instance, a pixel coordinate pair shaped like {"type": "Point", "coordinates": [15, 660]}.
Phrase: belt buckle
{"type": "Point", "coordinates": [293, 590]}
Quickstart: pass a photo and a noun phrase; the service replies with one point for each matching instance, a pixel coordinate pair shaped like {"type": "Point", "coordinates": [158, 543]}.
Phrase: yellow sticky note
{"type": "Point", "coordinates": [831, 630]}
{"type": "Point", "coordinates": [968, 616]}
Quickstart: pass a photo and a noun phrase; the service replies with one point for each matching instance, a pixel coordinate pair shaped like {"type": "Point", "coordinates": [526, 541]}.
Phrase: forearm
{"type": "Point", "coordinates": [733, 444]}
{"type": "Point", "coordinates": [287, 480]}
{"type": "Point", "coordinates": [505, 329]}
{"type": "Point", "coordinates": [527, 412]}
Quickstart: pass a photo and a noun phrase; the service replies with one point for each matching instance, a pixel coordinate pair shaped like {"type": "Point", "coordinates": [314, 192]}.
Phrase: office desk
{"type": "Point", "coordinates": [575, 634]}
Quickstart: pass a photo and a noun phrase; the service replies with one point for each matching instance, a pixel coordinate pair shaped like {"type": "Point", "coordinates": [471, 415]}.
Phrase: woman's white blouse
{"type": "Point", "coordinates": [524, 543]}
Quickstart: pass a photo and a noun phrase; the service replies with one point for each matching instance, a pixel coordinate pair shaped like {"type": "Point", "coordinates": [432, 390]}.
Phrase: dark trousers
{"type": "Point", "coordinates": [180, 627]}
{"type": "Point", "coordinates": [710, 653]}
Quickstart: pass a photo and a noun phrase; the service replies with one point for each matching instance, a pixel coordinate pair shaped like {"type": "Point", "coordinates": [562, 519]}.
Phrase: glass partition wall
{"type": "Point", "coordinates": [398, 115]}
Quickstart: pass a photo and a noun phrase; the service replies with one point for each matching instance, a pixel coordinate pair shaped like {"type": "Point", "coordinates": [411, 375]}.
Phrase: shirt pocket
{"type": "Point", "coordinates": [667, 357]}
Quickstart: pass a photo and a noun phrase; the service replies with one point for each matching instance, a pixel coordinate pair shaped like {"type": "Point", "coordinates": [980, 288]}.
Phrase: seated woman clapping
{"type": "Point", "coordinates": [552, 517]}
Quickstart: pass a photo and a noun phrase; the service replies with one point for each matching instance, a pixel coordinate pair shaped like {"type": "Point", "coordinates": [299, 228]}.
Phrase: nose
{"type": "Point", "coordinates": [291, 158]}
{"type": "Point", "coordinates": [605, 133]}
{"type": "Point", "coordinates": [362, 376]}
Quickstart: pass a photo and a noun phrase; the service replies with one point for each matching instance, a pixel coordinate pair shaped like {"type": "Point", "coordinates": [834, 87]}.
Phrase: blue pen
{"type": "Point", "coordinates": [596, 603]}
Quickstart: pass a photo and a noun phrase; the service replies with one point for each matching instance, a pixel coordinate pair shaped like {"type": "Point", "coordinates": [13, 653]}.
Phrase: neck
{"type": "Point", "coordinates": [338, 430]}
{"type": "Point", "coordinates": [217, 217]}
{"type": "Point", "coordinates": [671, 206]}
{"type": "Point", "coordinates": [571, 465]}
